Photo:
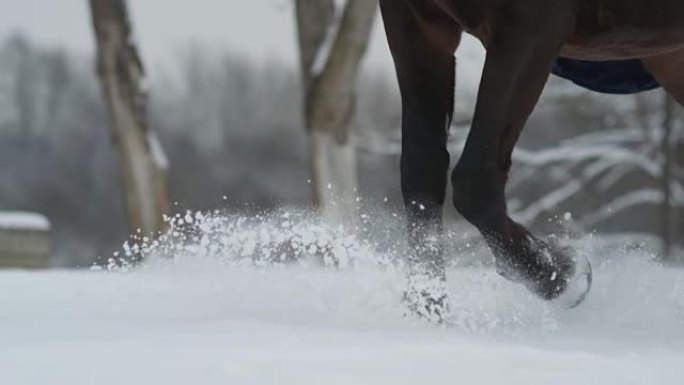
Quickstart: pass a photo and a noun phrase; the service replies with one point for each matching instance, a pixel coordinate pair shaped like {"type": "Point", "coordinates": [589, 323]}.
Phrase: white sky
{"type": "Point", "coordinates": [257, 28]}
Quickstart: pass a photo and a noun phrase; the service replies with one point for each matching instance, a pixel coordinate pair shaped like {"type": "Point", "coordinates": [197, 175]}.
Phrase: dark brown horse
{"type": "Point", "coordinates": [525, 40]}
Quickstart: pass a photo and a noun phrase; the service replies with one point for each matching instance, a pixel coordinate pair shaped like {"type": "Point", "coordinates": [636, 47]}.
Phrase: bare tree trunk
{"type": "Point", "coordinates": [330, 61]}
{"type": "Point", "coordinates": [334, 177]}
{"type": "Point", "coordinates": [142, 161]}
{"type": "Point", "coordinates": [666, 181]}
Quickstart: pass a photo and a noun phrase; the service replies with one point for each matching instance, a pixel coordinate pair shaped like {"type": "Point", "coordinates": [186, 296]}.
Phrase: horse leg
{"type": "Point", "coordinates": [422, 41]}
{"type": "Point", "coordinates": [520, 55]}
{"type": "Point", "coordinates": [667, 69]}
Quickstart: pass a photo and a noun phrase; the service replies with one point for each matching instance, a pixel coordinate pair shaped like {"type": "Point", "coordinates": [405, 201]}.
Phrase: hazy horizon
{"type": "Point", "coordinates": [261, 29]}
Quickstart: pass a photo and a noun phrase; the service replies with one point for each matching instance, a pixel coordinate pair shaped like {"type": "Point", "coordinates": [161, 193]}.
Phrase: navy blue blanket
{"type": "Point", "coordinates": [610, 77]}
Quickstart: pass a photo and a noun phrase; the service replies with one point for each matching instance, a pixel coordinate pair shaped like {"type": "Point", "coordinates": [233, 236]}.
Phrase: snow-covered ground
{"type": "Point", "coordinates": [200, 320]}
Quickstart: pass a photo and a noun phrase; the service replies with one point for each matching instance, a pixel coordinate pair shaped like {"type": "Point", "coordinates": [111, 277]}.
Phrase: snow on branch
{"type": "Point", "coordinates": [550, 201]}
{"type": "Point", "coordinates": [635, 198]}
{"type": "Point", "coordinates": [621, 135]}
{"type": "Point", "coordinates": [600, 158]}
{"type": "Point", "coordinates": [617, 155]}
{"type": "Point", "coordinates": [622, 203]}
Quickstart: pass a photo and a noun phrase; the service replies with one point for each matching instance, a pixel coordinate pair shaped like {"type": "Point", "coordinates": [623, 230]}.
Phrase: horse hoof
{"type": "Point", "coordinates": [578, 284]}
{"type": "Point", "coordinates": [426, 307]}
{"type": "Point", "coordinates": [426, 298]}
{"type": "Point", "coordinates": [566, 280]}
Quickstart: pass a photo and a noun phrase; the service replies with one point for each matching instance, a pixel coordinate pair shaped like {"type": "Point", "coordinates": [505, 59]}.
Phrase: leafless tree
{"type": "Point", "coordinates": [333, 40]}
{"type": "Point", "coordinates": [142, 161]}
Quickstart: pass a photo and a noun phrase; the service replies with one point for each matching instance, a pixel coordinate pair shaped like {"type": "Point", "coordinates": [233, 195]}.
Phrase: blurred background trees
{"type": "Point", "coordinates": [232, 127]}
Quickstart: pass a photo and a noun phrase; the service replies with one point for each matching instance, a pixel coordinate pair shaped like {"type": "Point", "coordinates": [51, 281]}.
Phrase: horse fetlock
{"type": "Point", "coordinates": [424, 212]}
{"type": "Point", "coordinates": [426, 254]}
{"type": "Point", "coordinates": [478, 195]}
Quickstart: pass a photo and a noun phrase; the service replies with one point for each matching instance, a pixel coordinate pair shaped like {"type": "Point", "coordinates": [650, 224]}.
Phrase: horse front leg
{"type": "Point", "coordinates": [519, 59]}
{"type": "Point", "coordinates": [423, 53]}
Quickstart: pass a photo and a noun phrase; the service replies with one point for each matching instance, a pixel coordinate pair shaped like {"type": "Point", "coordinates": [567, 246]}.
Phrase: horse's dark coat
{"type": "Point", "coordinates": [524, 40]}
{"type": "Point", "coordinates": [610, 77]}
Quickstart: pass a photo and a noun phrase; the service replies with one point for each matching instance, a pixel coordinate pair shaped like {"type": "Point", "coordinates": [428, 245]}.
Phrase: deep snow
{"type": "Point", "coordinates": [203, 320]}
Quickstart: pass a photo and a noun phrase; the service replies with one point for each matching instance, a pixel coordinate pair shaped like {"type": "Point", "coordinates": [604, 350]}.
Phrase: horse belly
{"type": "Point", "coordinates": [621, 47]}
{"type": "Point", "coordinates": [625, 29]}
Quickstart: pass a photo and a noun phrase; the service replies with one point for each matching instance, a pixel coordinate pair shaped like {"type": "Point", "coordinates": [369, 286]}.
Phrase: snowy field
{"type": "Point", "coordinates": [202, 320]}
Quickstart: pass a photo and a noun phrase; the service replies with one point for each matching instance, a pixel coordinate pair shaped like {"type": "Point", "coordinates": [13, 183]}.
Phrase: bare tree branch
{"type": "Point", "coordinates": [314, 18]}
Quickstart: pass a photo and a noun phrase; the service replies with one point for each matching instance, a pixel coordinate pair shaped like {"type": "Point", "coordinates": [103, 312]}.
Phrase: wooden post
{"type": "Point", "coordinates": [25, 241]}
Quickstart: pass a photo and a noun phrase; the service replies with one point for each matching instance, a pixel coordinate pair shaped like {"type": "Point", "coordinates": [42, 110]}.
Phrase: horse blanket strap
{"type": "Point", "coordinates": [620, 77]}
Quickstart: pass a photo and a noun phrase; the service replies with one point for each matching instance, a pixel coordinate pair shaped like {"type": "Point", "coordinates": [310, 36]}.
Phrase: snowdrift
{"type": "Point", "coordinates": [208, 317]}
